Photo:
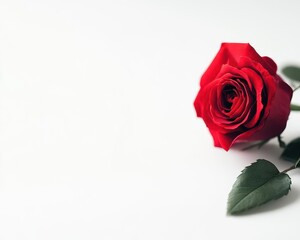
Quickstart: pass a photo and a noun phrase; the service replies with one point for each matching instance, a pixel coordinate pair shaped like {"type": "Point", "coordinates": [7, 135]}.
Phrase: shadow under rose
{"type": "Point", "coordinates": [270, 151]}
{"type": "Point", "coordinates": [254, 146]}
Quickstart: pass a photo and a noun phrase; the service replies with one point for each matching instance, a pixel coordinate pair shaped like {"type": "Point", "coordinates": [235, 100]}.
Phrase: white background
{"type": "Point", "coordinates": [98, 135]}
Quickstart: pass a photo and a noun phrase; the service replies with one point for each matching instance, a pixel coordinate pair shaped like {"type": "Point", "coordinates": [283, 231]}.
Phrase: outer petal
{"type": "Point", "coordinates": [226, 140]}
{"type": "Point", "coordinates": [214, 134]}
{"type": "Point", "coordinates": [230, 53]}
{"type": "Point", "coordinates": [271, 63]}
{"type": "Point", "coordinates": [275, 121]}
{"type": "Point", "coordinates": [197, 105]}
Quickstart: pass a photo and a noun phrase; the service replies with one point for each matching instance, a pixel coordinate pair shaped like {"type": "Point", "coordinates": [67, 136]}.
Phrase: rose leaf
{"type": "Point", "coordinates": [295, 107]}
{"type": "Point", "coordinates": [292, 72]}
{"type": "Point", "coordinates": [291, 152]}
{"type": "Point", "coordinates": [258, 183]}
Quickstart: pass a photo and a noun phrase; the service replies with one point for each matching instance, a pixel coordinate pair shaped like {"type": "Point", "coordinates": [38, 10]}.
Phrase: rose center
{"type": "Point", "coordinates": [228, 95]}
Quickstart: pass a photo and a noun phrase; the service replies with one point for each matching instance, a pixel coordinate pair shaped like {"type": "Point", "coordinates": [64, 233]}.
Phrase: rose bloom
{"type": "Point", "coordinates": [241, 97]}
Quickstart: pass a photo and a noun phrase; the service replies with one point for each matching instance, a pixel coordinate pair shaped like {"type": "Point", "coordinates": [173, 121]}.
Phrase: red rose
{"type": "Point", "coordinates": [241, 97]}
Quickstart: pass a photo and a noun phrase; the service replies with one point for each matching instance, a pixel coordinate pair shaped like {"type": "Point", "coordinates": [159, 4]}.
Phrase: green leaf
{"type": "Point", "coordinates": [258, 183]}
{"type": "Point", "coordinates": [295, 107]}
{"type": "Point", "coordinates": [291, 152]}
{"type": "Point", "coordinates": [292, 72]}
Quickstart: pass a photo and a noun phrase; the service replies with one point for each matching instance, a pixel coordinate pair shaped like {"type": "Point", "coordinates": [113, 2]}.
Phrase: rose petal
{"type": "Point", "coordinates": [271, 63]}
{"type": "Point", "coordinates": [230, 53]}
{"type": "Point", "coordinates": [275, 120]}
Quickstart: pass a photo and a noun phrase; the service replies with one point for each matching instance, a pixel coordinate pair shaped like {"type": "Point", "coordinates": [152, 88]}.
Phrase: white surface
{"type": "Point", "coordinates": [98, 135]}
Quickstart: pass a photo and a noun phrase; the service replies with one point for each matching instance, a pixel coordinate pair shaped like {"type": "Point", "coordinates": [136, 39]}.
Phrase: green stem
{"type": "Point", "coordinates": [291, 167]}
{"type": "Point", "coordinates": [295, 107]}
{"type": "Point", "coordinates": [281, 143]}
